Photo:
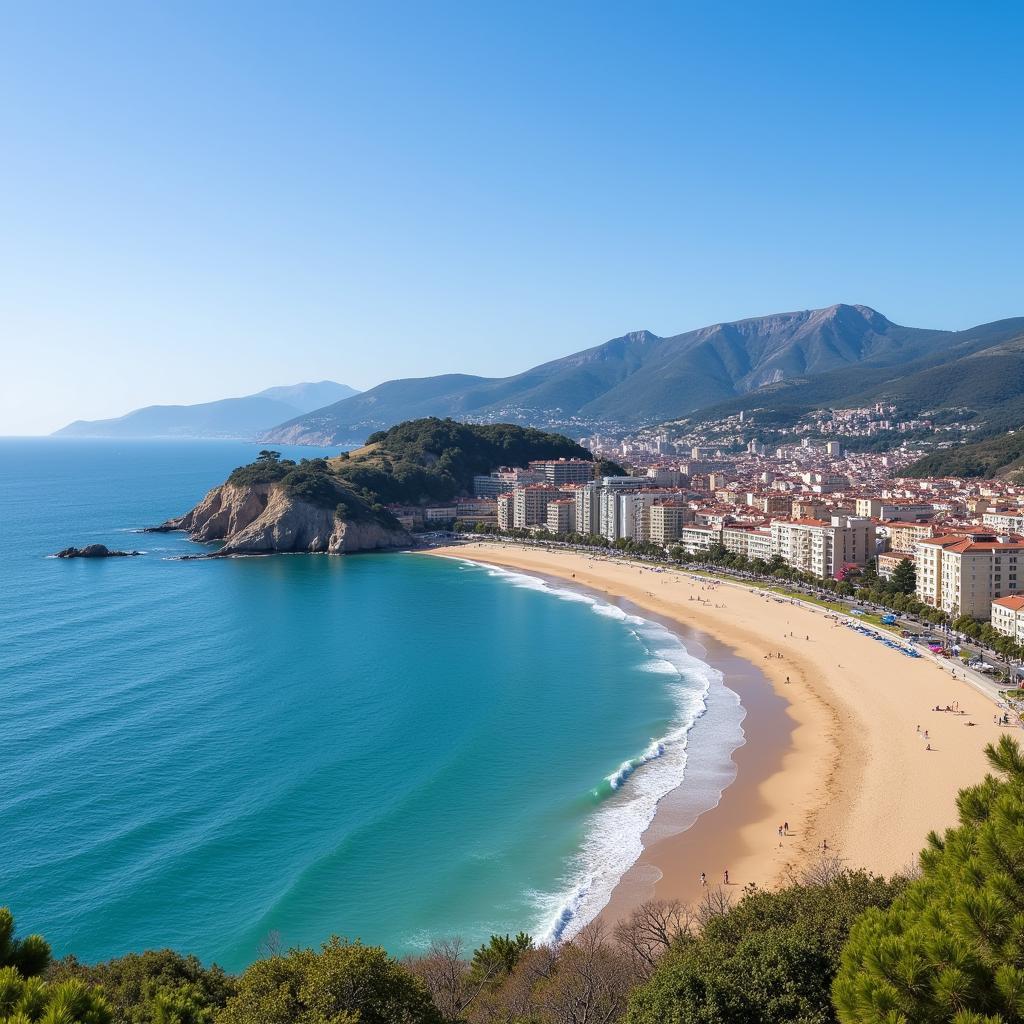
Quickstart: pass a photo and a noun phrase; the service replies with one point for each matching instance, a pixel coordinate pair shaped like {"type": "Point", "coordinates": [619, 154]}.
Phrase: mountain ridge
{"type": "Point", "coordinates": [242, 418]}
{"type": "Point", "coordinates": [636, 379]}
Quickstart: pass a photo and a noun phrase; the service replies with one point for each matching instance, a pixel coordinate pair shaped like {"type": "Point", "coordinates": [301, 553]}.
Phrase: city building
{"type": "Point", "coordinates": [822, 547]}
{"type": "Point", "coordinates": [530, 504]}
{"type": "Point", "coordinates": [666, 521]}
{"type": "Point", "coordinates": [963, 573]}
{"type": "Point", "coordinates": [561, 515]}
{"type": "Point", "coordinates": [1008, 617]}
{"type": "Point", "coordinates": [564, 471]}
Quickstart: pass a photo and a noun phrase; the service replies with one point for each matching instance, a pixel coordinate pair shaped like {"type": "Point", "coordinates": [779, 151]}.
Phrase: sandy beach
{"type": "Point", "coordinates": [833, 742]}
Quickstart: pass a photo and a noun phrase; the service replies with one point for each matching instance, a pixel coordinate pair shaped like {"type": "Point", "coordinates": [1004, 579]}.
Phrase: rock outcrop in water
{"type": "Point", "coordinates": [95, 551]}
{"type": "Point", "coordinates": [258, 519]}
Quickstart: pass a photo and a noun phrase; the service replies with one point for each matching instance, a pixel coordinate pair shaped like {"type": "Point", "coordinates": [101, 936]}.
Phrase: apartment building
{"type": "Point", "coordinates": [823, 547]}
{"type": "Point", "coordinates": [905, 511]}
{"type": "Point", "coordinates": [561, 515]}
{"type": "Point", "coordinates": [770, 504]}
{"type": "Point", "coordinates": [693, 538]}
{"type": "Point", "coordinates": [751, 541]}
{"type": "Point", "coordinates": [530, 506]}
{"type": "Point", "coordinates": [806, 508]}
{"type": "Point", "coordinates": [1008, 617]}
{"type": "Point", "coordinates": [506, 510]}
{"type": "Point", "coordinates": [564, 471]}
{"type": "Point", "coordinates": [1004, 522]}
{"type": "Point", "coordinates": [503, 481]}
{"type": "Point", "coordinates": [588, 508]}
{"type": "Point", "coordinates": [963, 573]}
{"type": "Point", "coordinates": [903, 537]}
{"type": "Point", "coordinates": [666, 520]}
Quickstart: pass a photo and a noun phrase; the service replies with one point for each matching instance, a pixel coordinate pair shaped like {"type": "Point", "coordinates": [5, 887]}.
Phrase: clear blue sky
{"type": "Point", "coordinates": [199, 200]}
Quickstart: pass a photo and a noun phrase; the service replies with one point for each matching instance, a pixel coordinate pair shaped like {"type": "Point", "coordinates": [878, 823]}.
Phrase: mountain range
{"type": "Point", "coordinates": [641, 378]}
{"type": "Point", "coordinates": [783, 365]}
{"type": "Point", "coordinates": [242, 418]}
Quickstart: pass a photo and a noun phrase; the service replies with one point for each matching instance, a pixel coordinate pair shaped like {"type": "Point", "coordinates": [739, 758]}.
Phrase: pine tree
{"type": "Point", "coordinates": [951, 949]}
{"type": "Point", "coordinates": [904, 577]}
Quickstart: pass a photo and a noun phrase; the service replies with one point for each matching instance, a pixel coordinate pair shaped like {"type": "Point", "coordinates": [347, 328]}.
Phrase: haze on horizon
{"type": "Point", "coordinates": [201, 202]}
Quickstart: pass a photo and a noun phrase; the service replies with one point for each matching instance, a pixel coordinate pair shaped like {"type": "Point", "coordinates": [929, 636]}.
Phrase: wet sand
{"type": "Point", "coordinates": [835, 750]}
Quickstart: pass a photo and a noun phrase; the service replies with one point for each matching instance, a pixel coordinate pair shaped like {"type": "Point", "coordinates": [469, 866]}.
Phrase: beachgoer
{"type": "Point", "coordinates": [725, 876]}
{"type": "Point", "coordinates": [785, 828]}
{"type": "Point", "coordinates": [703, 879]}
{"type": "Point", "coordinates": [928, 746]}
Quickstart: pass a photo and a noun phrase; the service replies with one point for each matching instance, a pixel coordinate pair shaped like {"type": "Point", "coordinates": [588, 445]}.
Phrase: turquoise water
{"type": "Point", "coordinates": [389, 746]}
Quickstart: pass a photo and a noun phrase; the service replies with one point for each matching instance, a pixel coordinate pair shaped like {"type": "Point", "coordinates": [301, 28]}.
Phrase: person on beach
{"type": "Point", "coordinates": [725, 876]}
{"type": "Point", "coordinates": [703, 879]}
{"type": "Point", "coordinates": [785, 829]}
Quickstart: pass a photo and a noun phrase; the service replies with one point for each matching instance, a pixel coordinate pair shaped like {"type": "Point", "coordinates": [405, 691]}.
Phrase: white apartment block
{"type": "Point", "coordinates": [822, 547]}
{"type": "Point", "coordinates": [751, 541]}
{"type": "Point", "coordinates": [962, 574]}
{"type": "Point", "coordinates": [1008, 617]}
{"type": "Point", "coordinates": [693, 538]}
{"type": "Point", "coordinates": [1003, 522]}
{"type": "Point", "coordinates": [906, 511]}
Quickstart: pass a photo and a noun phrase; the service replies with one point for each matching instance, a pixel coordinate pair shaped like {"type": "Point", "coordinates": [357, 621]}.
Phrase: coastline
{"type": "Point", "coordinates": [831, 747]}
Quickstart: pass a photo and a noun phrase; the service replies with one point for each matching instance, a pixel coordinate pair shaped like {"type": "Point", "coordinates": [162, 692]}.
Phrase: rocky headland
{"type": "Point", "coordinates": [258, 519]}
{"type": "Point", "coordinates": [341, 504]}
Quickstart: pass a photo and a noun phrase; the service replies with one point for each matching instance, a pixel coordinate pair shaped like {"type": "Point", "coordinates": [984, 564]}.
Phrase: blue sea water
{"type": "Point", "coordinates": [391, 746]}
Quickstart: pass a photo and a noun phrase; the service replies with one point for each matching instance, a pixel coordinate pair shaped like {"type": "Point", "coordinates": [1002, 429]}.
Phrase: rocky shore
{"type": "Point", "coordinates": [260, 519]}
{"type": "Point", "coordinates": [95, 551]}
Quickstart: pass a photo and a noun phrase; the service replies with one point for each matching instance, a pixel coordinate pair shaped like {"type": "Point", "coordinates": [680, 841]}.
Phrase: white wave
{"type": "Point", "coordinates": [613, 841]}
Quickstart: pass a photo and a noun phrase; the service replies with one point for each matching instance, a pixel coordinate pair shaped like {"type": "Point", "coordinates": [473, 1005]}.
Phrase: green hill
{"type": "Point", "coordinates": [994, 456]}
{"type": "Point", "coordinates": [412, 463]}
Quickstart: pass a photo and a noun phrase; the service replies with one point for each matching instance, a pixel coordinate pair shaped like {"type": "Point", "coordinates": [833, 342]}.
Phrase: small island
{"type": "Point", "coordinates": [94, 551]}
{"type": "Point", "coordinates": [341, 505]}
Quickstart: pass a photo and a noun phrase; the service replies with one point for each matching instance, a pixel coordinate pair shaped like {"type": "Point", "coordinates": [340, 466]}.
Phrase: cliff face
{"type": "Point", "coordinates": [261, 518]}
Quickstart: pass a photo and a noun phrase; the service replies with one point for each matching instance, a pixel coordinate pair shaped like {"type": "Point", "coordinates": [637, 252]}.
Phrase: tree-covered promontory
{"type": "Point", "coordinates": [412, 463]}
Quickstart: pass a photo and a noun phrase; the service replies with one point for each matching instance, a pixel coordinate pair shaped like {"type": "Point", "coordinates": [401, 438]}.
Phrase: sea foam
{"type": "Point", "coordinates": [628, 797]}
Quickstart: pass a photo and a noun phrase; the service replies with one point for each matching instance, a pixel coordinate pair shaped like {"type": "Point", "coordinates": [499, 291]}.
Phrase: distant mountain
{"type": "Point", "coordinates": [637, 379]}
{"type": "Point", "coordinates": [242, 418]}
{"type": "Point", "coordinates": [980, 369]}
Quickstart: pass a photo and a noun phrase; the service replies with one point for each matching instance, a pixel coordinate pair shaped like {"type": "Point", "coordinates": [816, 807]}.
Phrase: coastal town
{"type": "Point", "coordinates": [811, 505]}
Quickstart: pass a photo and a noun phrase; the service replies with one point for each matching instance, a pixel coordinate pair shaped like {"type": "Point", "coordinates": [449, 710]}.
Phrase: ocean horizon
{"type": "Point", "coordinates": [389, 747]}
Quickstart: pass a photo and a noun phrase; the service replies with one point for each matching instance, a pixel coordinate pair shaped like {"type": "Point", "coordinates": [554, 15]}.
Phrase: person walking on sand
{"type": "Point", "coordinates": [785, 829]}
{"type": "Point", "coordinates": [725, 876]}
{"type": "Point", "coordinates": [703, 880]}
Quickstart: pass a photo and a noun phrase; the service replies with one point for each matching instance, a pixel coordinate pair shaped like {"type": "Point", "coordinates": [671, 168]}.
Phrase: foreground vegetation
{"type": "Point", "coordinates": [832, 945]}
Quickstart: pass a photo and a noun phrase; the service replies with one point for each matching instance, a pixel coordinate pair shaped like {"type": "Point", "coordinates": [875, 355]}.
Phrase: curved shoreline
{"type": "Point", "coordinates": [710, 724]}
{"type": "Point", "coordinates": [852, 771]}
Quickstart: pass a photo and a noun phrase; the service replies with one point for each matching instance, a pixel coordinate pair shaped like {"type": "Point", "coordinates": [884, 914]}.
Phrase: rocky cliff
{"type": "Point", "coordinates": [264, 518]}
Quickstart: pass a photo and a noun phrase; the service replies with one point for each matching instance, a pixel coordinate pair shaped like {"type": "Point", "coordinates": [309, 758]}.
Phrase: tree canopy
{"type": "Point", "coordinates": [343, 983]}
{"type": "Point", "coordinates": [951, 948]}
{"type": "Point", "coordinates": [770, 959]}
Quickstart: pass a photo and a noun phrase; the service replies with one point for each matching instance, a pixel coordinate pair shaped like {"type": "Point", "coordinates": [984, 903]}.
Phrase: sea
{"type": "Point", "coordinates": [221, 755]}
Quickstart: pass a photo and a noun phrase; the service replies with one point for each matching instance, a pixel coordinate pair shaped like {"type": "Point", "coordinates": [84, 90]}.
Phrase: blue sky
{"type": "Point", "coordinates": [200, 200]}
